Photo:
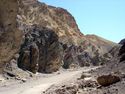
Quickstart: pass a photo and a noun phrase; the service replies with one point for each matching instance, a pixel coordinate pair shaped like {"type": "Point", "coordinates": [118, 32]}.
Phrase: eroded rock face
{"type": "Point", "coordinates": [41, 51]}
{"type": "Point", "coordinates": [10, 35]}
{"type": "Point", "coordinates": [78, 56]}
{"type": "Point", "coordinates": [57, 19]}
{"type": "Point", "coordinates": [75, 56]}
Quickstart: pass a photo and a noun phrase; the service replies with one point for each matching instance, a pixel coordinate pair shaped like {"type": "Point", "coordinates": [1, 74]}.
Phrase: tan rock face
{"type": "Point", "coordinates": [10, 36]}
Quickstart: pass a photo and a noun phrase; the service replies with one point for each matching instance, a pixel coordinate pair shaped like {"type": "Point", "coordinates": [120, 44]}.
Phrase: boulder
{"type": "Point", "coordinates": [106, 80]}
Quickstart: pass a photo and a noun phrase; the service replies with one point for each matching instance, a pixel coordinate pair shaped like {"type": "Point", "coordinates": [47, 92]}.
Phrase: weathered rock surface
{"type": "Point", "coordinates": [76, 56]}
{"type": "Point", "coordinates": [41, 51]}
{"type": "Point", "coordinates": [29, 58]}
{"type": "Point", "coordinates": [10, 35]}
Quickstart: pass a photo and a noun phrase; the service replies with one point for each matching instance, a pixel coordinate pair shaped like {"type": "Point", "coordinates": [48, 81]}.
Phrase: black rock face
{"type": "Point", "coordinates": [41, 51]}
{"type": "Point", "coordinates": [76, 56]}
{"type": "Point", "coordinates": [122, 53]}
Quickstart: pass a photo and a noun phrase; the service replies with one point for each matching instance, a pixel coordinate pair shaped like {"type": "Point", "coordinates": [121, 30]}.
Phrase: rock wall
{"type": "Point", "coordinates": [10, 35]}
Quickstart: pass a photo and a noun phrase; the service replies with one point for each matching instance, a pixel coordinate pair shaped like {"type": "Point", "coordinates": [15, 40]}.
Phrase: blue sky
{"type": "Point", "coordinates": [105, 18]}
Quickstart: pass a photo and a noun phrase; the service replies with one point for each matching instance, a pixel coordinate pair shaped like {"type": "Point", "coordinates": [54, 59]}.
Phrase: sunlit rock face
{"type": "Point", "coordinates": [10, 35]}
{"type": "Point", "coordinates": [57, 19]}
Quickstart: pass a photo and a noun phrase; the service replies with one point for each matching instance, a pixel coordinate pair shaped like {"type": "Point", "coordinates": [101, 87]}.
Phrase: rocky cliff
{"type": "Point", "coordinates": [10, 35]}
{"type": "Point", "coordinates": [46, 38]}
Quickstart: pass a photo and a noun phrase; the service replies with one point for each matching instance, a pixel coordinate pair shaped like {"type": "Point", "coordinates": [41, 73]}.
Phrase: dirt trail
{"type": "Point", "coordinates": [42, 84]}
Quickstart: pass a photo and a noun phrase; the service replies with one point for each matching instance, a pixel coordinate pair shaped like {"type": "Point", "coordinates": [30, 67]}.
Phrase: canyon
{"type": "Point", "coordinates": [36, 38]}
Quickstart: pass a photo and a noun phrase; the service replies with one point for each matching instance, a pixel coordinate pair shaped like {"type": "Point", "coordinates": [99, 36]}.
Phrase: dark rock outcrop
{"type": "Point", "coordinates": [29, 58]}
{"type": "Point", "coordinates": [41, 51]}
{"type": "Point", "coordinates": [76, 56]}
{"type": "Point", "coordinates": [122, 42]}
{"type": "Point", "coordinates": [122, 53]}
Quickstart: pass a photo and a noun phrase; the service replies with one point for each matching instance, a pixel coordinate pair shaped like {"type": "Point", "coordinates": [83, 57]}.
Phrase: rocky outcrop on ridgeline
{"type": "Point", "coordinates": [41, 51]}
